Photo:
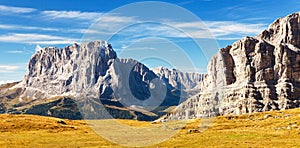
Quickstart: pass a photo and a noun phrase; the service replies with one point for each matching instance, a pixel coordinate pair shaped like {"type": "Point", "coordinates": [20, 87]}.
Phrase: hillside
{"type": "Point", "coordinates": [268, 129]}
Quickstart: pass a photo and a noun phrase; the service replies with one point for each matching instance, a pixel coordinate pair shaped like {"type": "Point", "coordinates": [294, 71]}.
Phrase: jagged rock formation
{"type": "Point", "coordinates": [90, 78]}
{"type": "Point", "coordinates": [255, 74]}
{"type": "Point", "coordinates": [188, 83]}
{"type": "Point", "coordinates": [68, 71]}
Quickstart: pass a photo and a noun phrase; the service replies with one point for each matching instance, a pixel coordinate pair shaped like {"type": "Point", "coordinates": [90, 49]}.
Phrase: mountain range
{"type": "Point", "coordinates": [59, 82]}
{"type": "Point", "coordinates": [253, 74]}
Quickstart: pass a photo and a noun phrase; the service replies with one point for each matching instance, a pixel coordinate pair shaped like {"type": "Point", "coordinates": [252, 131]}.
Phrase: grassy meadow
{"type": "Point", "coordinates": [269, 129]}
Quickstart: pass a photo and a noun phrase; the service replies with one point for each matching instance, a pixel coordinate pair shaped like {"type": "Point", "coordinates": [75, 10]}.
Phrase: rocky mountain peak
{"type": "Point", "coordinates": [67, 70]}
{"type": "Point", "coordinates": [254, 74]}
{"type": "Point", "coordinates": [178, 79]}
{"type": "Point", "coordinates": [284, 30]}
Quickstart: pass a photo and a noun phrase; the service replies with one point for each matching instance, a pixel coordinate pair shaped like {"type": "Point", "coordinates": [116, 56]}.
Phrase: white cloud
{"type": "Point", "coordinates": [108, 24]}
{"type": "Point", "coordinates": [55, 42]}
{"type": "Point", "coordinates": [19, 52]}
{"type": "Point", "coordinates": [15, 51]}
{"type": "Point", "coordinates": [36, 39]}
{"type": "Point", "coordinates": [71, 15]}
{"type": "Point", "coordinates": [117, 19]}
{"type": "Point", "coordinates": [220, 30]}
{"type": "Point", "coordinates": [12, 72]}
{"type": "Point", "coordinates": [138, 48]}
{"type": "Point", "coordinates": [30, 28]}
{"type": "Point", "coordinates": [25, 37]}
{"type": "Point", "coordinates": [140, 30]}
{"type": "Point", "coordinates": [9, 68]}
{"type": "Point", "coordinates": [91, 16]}
{"type": "Point", "coordinates": [20, 27]}
{"type": "Point", "coordinates": [224, 30]}
{"type": "Point", "coordinates": [17, 10]}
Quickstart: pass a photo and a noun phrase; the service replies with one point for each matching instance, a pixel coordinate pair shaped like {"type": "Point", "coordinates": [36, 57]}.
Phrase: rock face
{"type": "Point", "coordinates": [90, 78]}
{"type": "Point", "coordinates": [68, 71]}
{"type": "Point", "coordinates": [188, 83]}
{"type": "Point", "coordinates": [254, 74]}
{"type": "Point", "coordinates": [87, 70]}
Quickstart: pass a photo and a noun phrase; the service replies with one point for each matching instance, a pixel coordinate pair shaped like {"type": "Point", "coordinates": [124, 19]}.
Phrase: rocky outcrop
{"type": "Point", "coordinates": [255, 74]}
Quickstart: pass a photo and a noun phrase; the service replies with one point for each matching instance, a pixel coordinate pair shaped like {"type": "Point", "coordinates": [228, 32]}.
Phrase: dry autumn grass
{"type": "Point", "coordinates": [269, 129]}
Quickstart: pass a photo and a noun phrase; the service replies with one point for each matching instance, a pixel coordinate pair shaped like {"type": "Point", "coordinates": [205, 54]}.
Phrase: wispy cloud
{"type": "Point", "coordinates": [20, 52]}
{"type": "Point", "coordinates": [55, 42]}
{"type": "Point", "coordinates": [15, 51]}
{"type": "Point", "coordinates": [53, 14]}
{"type": "Point", "coordinates": [220, 29]}
{"type": "Point", "coordinates": [138, 48]}
{"type": "Point", "coordinates": [91, 16]}
{"type": "Point", "coordinates": [9, 68]}
{"type": "Point", "coordinates": [36, 39]}
{"type": "Point", "coordinates": [9, 27]}
{"type": "Point", "coordinates": [186, 2]}
{"type": "Point", "coordinates": [20, 27]}
{"type": "Point", "coordinates": [225, 30]}
{"type": "Point", "coordinates": [113, 18]}
{"type": "Point", "coordinates": [109, 24]}
{"type": "Point", "coordinates": [17, 10]}
{"type": "Point", "coordinates": [255, 19]}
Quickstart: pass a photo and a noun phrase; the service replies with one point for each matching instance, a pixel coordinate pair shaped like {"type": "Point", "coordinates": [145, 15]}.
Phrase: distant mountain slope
{"type": "Point", "coordinates": [254, 74]}
{"type": "Point", "coordinates": [189, 83]}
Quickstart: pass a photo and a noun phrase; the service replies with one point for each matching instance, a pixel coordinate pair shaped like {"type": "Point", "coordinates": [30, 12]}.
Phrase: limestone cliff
{"type": "Point", "coordinates": [68, 71]}
{"type": "Point", "coordinates": [254, 74]}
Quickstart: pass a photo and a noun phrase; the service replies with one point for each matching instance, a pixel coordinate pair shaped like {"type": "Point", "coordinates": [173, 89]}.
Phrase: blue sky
{"type": "Point", "coordinates": [27, 24]}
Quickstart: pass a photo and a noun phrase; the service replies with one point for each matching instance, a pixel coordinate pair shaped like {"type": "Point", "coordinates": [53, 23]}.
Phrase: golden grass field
{"type": "Point", "coordinates": [280, 129]}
